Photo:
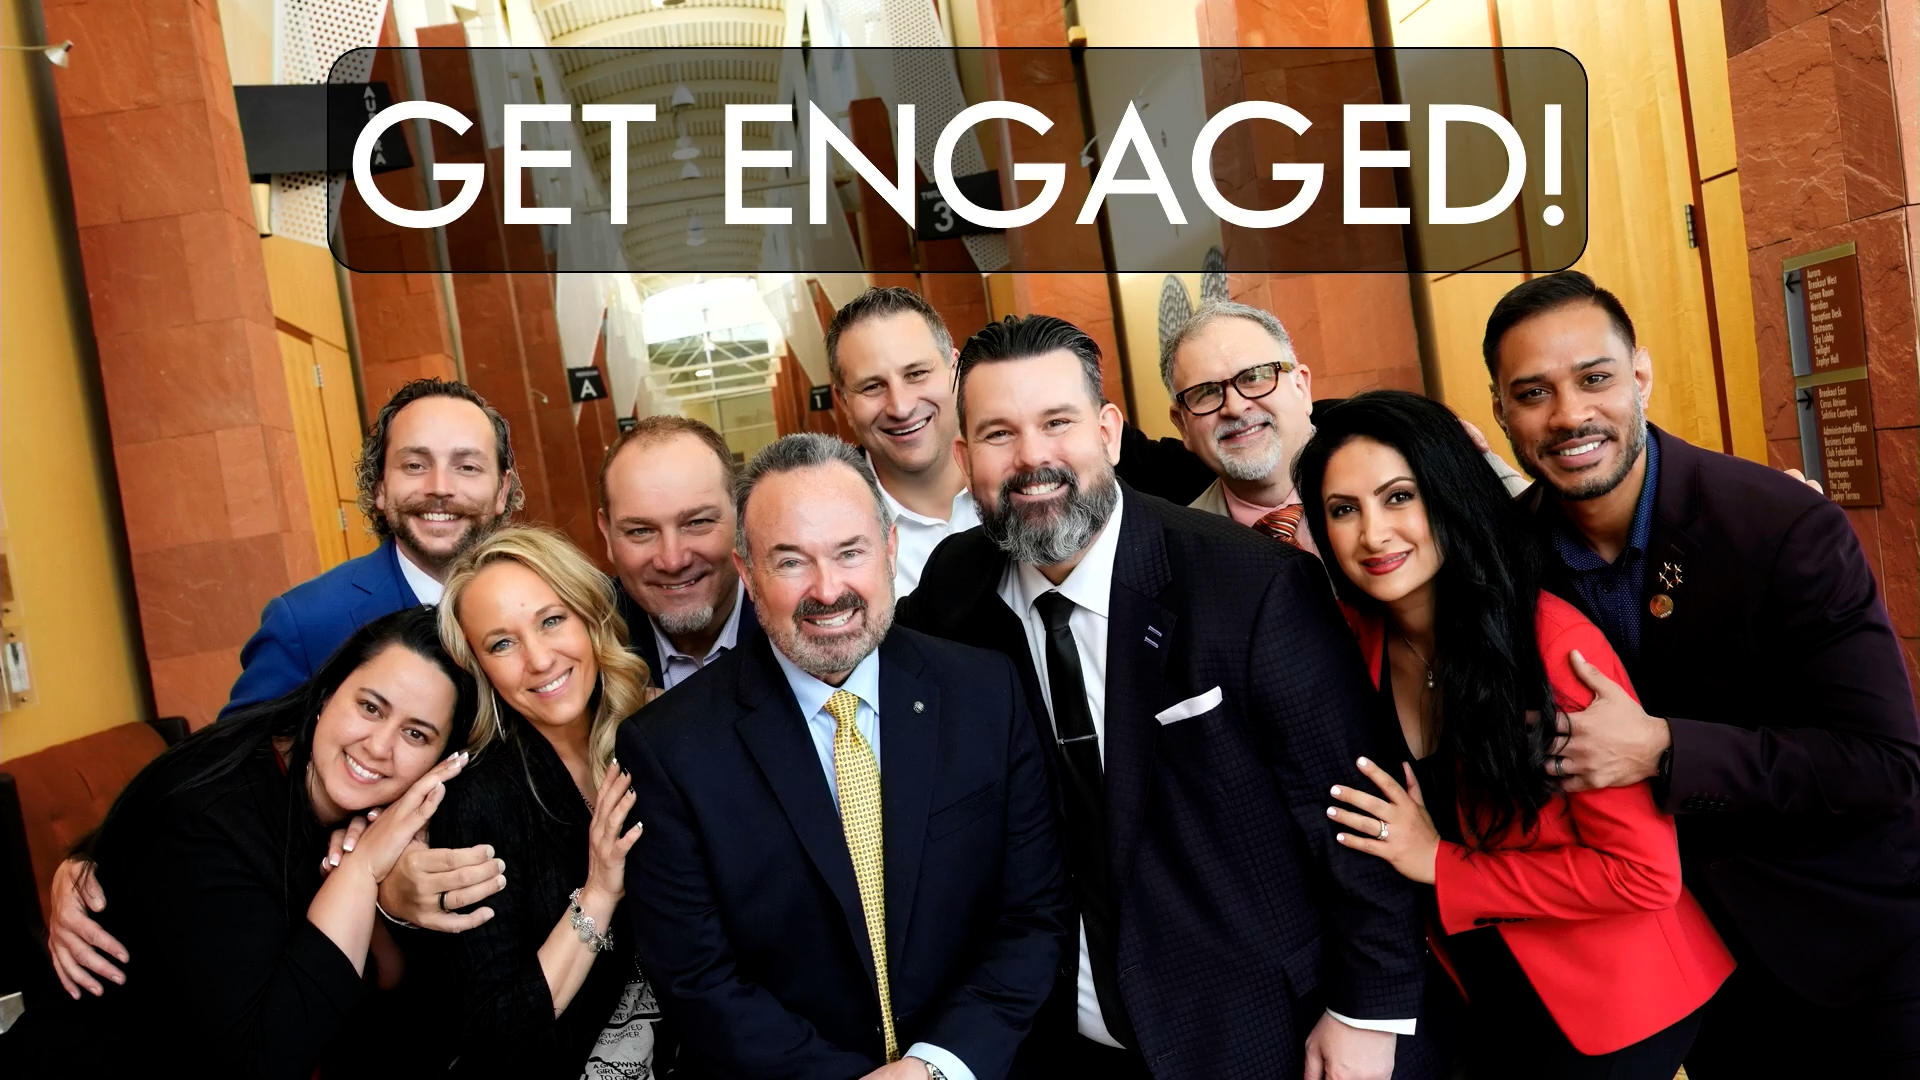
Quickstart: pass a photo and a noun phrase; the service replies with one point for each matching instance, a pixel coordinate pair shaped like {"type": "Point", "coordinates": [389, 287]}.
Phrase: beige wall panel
{"type": "Point", "coordinates": [341, 408]}
{"type": "Point", "coordinates": [316, 456]}
{"type": "Point", "coordinates": [1704, 39]}
{"type": "Point", "coordinates": [1637, 190]}
{"type": "Point", "coordinates": [305, 291]}
{"type": "Point", "coordinates": [1460, 303]}
{"type": "Point", "coordinates": [1733, 303]}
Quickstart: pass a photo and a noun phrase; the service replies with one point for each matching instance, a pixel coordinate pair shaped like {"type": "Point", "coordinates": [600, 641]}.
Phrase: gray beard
{"type": "Point", "coordinates": [1254, 469]}
{"type": "Point", "coordinates": [1058, 536]}
{"type": "Point", "coordinates": [690, 621]}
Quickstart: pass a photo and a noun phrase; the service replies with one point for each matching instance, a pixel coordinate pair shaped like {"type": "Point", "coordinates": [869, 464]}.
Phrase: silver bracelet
{"type": "Point", "coordinates": [584, 925]}
{"type": "Point", "coordinates": [394, 919]}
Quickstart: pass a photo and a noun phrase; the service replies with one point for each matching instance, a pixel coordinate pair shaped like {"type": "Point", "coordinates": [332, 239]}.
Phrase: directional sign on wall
{"type": "Point", "coordinates": [586, 384]}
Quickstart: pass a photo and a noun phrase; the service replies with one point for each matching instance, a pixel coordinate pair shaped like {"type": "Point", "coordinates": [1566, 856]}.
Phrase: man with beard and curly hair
{"type": "Point", "coordinates": [1197, 693]}
{"type": "Point", "coordinates": [436, 475]}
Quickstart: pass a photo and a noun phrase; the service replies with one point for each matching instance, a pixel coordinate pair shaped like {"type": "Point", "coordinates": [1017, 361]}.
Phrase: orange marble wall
{"type": "Point", "coordinates": [400, 319]}
{"type": "Point", "coordinates": [210, 482]}
{"type": "Point", "coordinates": [1353, 331]}
{"type": "Point", "coordinates": [1043, 78]}
{"type": "Point", "coordinates": [1817, 124]}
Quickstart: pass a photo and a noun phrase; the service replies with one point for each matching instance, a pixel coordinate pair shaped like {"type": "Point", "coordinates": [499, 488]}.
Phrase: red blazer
{"type": "Point", "coordinates": [1590, 902]}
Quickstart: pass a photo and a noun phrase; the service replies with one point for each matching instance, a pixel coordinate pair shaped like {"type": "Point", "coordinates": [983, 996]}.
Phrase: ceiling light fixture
{"type": "Point", "coordinates": [683, 148]}
{"type": "Point", "coordinates": [690, 171]}
{"type": "Point", "coordinates": [696, 233]}
{"type": "Point", "coordinates": [682, 97]}
{"type": "Point", "coordinates": [704, 373]}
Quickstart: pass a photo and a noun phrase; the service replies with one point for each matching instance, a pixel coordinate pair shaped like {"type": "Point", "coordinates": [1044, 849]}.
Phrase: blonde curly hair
{"type": "Point", "coordinates": [586, 592]}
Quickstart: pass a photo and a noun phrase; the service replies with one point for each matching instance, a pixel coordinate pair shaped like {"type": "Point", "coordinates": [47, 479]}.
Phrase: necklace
{"type": "Point", "coordinates": [1404, 640]}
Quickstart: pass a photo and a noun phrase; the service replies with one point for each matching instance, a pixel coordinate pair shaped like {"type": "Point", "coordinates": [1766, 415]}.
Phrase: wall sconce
{"type": "Point", "coordinates": [56, 55]}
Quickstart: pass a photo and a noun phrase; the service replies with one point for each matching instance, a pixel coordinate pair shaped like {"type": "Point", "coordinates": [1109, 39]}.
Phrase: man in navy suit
{"type": "Point", "coordinates": [666, 514]}
{"type": "Point", "coordinates": [436, 475]}
{"type": "Point", "coordinates": [1198, 694]}
{"type": "Point", "coordinates": [849, 867]}
{"type": "Point", "coordinates": [1778, 720]}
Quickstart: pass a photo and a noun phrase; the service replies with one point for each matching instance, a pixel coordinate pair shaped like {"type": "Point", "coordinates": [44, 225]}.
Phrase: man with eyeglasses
{"type": "Point", "coordinates": [1243, 404]}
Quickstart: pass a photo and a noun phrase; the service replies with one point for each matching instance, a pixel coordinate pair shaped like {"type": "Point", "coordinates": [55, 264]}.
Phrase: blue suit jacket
{"type": "Point", "coordinates": [741, 895]}
{"type": "Point", "coordinates": [301, 627]}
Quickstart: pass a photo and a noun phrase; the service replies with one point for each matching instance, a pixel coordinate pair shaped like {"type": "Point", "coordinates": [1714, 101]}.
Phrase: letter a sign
{"type": "Point", "coordinates": [586, 384]}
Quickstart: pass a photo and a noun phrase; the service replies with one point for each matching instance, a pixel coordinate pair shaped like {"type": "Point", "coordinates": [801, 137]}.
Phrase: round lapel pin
{"type": "Point", "coordinates": [1661, 606]}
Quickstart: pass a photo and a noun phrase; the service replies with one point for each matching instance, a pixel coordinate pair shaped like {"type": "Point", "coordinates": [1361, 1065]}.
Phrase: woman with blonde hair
{"type": "Point", "coordinates": [534, 621]}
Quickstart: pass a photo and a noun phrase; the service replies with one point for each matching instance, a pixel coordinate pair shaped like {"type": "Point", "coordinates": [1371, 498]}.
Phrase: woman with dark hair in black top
{"type": "Point", "coordinates": [248, 953]}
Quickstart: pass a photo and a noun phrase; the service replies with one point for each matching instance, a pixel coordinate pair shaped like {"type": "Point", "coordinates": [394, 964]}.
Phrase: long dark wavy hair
{"type": "Point", "coordinates": [1486, 666]}
{"type": "Point", "coordinates": [217, 750]}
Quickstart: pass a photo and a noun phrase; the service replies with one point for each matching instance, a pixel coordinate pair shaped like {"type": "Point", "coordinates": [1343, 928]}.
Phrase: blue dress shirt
{"type": "Point", "coordinates": [1614, 591]}
{"type": "Point", "coordinates": [812, 695]}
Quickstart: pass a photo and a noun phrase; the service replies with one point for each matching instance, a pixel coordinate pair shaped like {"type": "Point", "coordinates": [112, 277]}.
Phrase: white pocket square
{"type": "Point", "coordinates": [1189, 708]}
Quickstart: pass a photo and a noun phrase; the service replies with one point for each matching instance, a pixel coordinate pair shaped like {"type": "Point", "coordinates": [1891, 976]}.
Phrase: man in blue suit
{"type": "Point", "coordinates": [850, 866]}
{"type": "Point", "coordinates": [436, 475]}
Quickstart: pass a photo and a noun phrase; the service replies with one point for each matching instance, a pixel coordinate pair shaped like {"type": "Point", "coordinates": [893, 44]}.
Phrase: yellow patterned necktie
{"type": "Point", "coordinates": [859, 781]}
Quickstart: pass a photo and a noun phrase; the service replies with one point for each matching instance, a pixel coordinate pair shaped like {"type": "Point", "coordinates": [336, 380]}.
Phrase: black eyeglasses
{"type": "Point", "coordinates": [1202, 399]}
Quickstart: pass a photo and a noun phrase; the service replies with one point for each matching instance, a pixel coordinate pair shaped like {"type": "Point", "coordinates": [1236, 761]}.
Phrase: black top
{"type": "Point", "coordinates": [519, 797]}
{"type": "Point", "coordinates": [1495, 983]}
{"type": "Point", "coordinates": [209, 891]}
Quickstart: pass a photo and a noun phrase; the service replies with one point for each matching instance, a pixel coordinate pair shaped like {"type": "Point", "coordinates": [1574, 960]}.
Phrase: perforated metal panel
{"type": "Point", "coordinates": [1213, 276]}
{"type": "Point", "coordinates": [309, 39]}
{"type": "Point", "coordinates": [930, 81]}
{"type": "Point", "coordinates": [1175, 306]}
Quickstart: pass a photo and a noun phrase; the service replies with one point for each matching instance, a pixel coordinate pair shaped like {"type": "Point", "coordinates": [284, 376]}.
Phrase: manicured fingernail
{"type": "Point", "coordinates": [1332, 812]}
{"type": "Point", "coordinates": [1342, 837]}
{"type": "Point", "coordinates": [1336, 791]}
{"type": "Point", "coordinates": [335, 859]}
{"type": "Point", "coordinates": [1364, 763]}
{"type": "Point", "coordinates": [347, 844]}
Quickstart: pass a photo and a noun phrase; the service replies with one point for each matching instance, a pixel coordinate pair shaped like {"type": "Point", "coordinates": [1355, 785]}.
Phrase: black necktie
{"type": "Point", "coordinates": [1084, 784]}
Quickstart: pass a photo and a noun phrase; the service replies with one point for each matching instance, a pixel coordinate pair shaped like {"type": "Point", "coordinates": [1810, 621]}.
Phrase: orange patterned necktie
{"type": "Point", "coordinates": [1282, 523]}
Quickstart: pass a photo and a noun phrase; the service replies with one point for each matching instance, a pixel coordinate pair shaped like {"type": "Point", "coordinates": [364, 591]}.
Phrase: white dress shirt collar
{"type": "Point", "coordinates": [426, 588]}
{"type": "Point", "coordinates": [676, 665]}
{"type": "Point", "coordinates": [812, 693]}
{"type": "Point", "coordinates": [1090, 585]}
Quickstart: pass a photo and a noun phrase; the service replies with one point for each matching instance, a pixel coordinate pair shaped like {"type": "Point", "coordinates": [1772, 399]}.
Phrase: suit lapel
{"type": "Point", "coordinates": [1139, 636]}
{"type": "Point", "coordinates": [1663, 641]}
{"type": "Point", "coordinates": [379, 577]}
{"type": "Point", "coordinates": [909, 709]}
{"type": "Point", "coordinates": [776, 735]}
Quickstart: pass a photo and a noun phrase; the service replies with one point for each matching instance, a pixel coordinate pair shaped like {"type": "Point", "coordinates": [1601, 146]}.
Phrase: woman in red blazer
{"type": "Point", "coordinates": [1559, 918]}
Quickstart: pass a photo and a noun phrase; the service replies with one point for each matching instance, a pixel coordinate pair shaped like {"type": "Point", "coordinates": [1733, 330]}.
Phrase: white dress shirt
{"type": "Point", "coordinates": [1090, 587]}
{"type": "Point", "coordinates": [919, 534]}
{"type": "Point", "coordinates": [812, 695]}
{"type": "Point", "coordinates": [676, 666]}
{"type": "Point", "coordinates": [426, 588]}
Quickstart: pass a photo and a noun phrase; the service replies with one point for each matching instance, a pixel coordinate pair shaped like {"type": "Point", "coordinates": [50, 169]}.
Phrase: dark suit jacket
{"type": "Point", "coordinates": [640, 629]}
{"type": "Point", "coordinates": [301, 627]}
{"type": "Point", "coordinates": [742, 895]}
{"type": "Point", "coordinates": [1796, 752]}
{"type": "Point", "coordinates": [1239, 915]}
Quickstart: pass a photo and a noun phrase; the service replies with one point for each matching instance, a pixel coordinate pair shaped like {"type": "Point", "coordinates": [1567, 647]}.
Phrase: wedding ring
{"type": "Point", "coordinates": [443, 902]}
{"type": "Point", "coordinates": [1383, 830]}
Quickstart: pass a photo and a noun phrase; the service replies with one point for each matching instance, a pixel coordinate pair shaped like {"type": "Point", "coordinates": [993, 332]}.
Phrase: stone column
{"type": "Point", "coordinates": [1817, 124]}
{"type": "Point", "coordinates": [1044, 79]}
{"type": "Point", "coordinates": [1353, 331]}
{"type": "Point", "coordinates": [209, 469]}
